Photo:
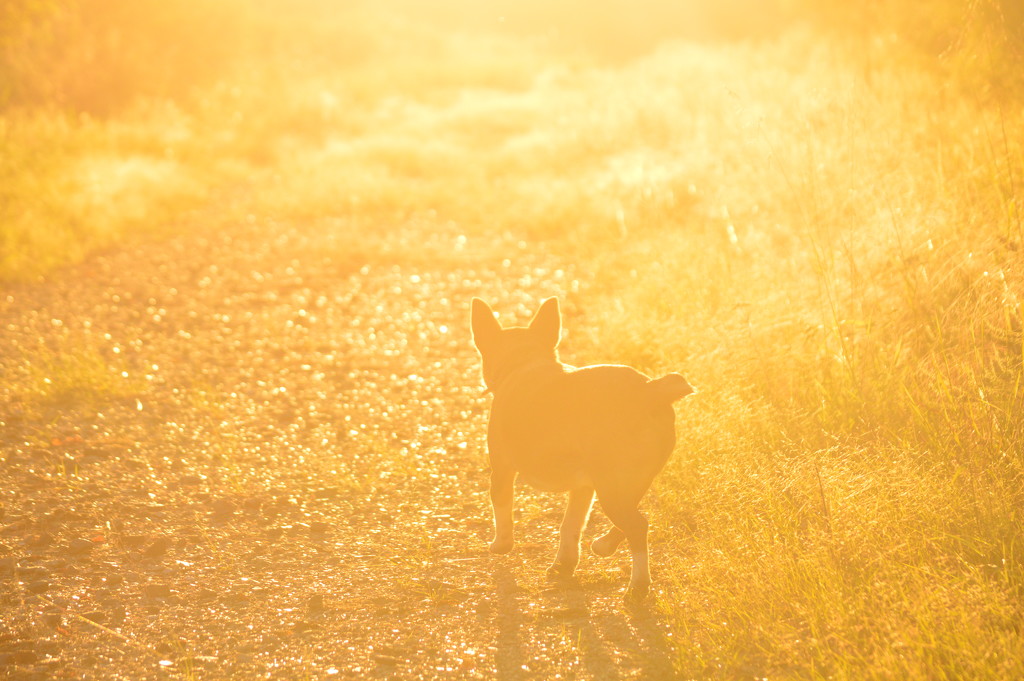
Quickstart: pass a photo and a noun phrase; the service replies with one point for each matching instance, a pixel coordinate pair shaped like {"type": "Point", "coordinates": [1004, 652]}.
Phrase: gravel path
{"type": "Point", "coordinates": [259, 454]}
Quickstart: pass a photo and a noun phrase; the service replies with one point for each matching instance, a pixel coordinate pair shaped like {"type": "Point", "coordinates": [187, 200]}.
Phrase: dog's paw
{"type": "Point", "coordinates": [561, 570]}
{"type": "Point", "coordinates": [637, 592]}
{"type": "Point", "coordinates": [604, 546]}
{"type": "Point", "coordinates": [501, 546]}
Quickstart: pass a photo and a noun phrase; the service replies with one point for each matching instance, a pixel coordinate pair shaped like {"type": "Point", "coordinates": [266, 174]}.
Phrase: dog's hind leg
{"type": "Point", "coordinates": [575, 518]}
{"type": "Point", "coordinates": [502, 485]}
{"type": "Point", "coordinates": [633, 525]}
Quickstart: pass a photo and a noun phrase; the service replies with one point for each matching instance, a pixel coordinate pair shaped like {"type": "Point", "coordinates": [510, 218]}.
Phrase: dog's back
{"type": "Point", "coordinates": [565, 427]}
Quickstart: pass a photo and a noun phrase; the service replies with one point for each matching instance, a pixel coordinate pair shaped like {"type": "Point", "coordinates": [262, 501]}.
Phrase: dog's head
{"type": "Point", "coordinates": [505, 350]}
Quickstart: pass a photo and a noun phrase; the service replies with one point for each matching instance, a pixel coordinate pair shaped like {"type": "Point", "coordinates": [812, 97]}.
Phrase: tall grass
{"type": "Point", "coordinates": [849, 291]}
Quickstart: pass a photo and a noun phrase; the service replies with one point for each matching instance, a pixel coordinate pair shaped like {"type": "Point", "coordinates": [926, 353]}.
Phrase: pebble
{"type": "Point", "coordinates": [223, 507]}
{"type": "Point", "coordinates": [315, 604]}
{"type": "Point", "coordinates": [114, 580]}
{"type": "Point", "coordinates": [234, 600]}
{"type": "Point", "coordinates": [302, 627]}
{"type": "Point", "coordinates": [117, 615]}
{"type": "Point", "coordinates": [157, 549]}
{"type": "Point", "coordinates": [33, 572]}
{"type": "Point", "coordinates": [97, 616]}
{"type": "Point", "coordinates": [80, 546]}
{"type": "Point", "coordinates": [156, 591]}
{"type": "Point", "coordinates": [133, 541]}
{"type": "Point", "coordinates": [19, 657]}
{"type": "Point", "coordinates": [43, 539]}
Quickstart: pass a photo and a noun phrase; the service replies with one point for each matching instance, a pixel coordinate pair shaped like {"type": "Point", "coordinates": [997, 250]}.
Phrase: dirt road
{"type": "Point", "coordinates": [258, 453]}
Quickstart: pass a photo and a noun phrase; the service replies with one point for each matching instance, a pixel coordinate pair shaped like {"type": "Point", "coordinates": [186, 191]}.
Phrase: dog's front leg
{"type": "Point", "coordinates": [575, 518]}
{"type": "Point", "coordinates": [502, 484]}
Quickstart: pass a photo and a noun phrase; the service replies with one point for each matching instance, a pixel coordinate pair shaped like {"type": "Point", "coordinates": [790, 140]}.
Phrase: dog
{"type": "Point", "coordinates": [603, 429]}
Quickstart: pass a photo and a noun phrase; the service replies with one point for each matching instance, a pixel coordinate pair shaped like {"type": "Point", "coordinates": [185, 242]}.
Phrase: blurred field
{"type": "Point", "coordinates": [813, 212]}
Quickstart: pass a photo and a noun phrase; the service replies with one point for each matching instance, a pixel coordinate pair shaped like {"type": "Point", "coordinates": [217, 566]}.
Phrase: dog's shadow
{"type": "Point", "coordinates": [585, 625]}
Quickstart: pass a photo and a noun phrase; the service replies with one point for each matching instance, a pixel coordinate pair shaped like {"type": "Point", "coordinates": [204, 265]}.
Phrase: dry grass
{"type": "Point", "coordinates": [826, 240]}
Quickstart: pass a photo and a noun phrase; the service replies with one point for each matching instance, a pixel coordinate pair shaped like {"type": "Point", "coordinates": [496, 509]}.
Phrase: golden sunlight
{"type": "Point", "coordinates": [511, 339]}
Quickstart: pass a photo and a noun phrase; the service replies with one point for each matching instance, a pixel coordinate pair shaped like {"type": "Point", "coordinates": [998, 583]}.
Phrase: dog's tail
{"type": "Point", "coordinates": [671, 387]}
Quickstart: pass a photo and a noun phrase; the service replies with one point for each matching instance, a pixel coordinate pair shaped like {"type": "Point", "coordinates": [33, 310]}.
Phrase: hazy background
{"type": "Point", "coordinates": [99, 56]}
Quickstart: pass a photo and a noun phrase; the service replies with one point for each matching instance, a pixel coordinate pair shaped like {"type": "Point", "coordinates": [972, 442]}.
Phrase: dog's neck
{"type": "Point", "coordinates": [504, 378]}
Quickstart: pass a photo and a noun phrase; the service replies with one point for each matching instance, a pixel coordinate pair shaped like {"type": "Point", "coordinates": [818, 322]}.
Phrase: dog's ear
{"type": "Point", "coordinates": [485, 326]}
{"type": "Point", "coordinates": [547, 323]}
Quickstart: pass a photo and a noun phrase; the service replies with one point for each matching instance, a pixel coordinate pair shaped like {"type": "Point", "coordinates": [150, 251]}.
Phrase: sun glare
{"type": "Point", "coordinates": [285, 287]}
